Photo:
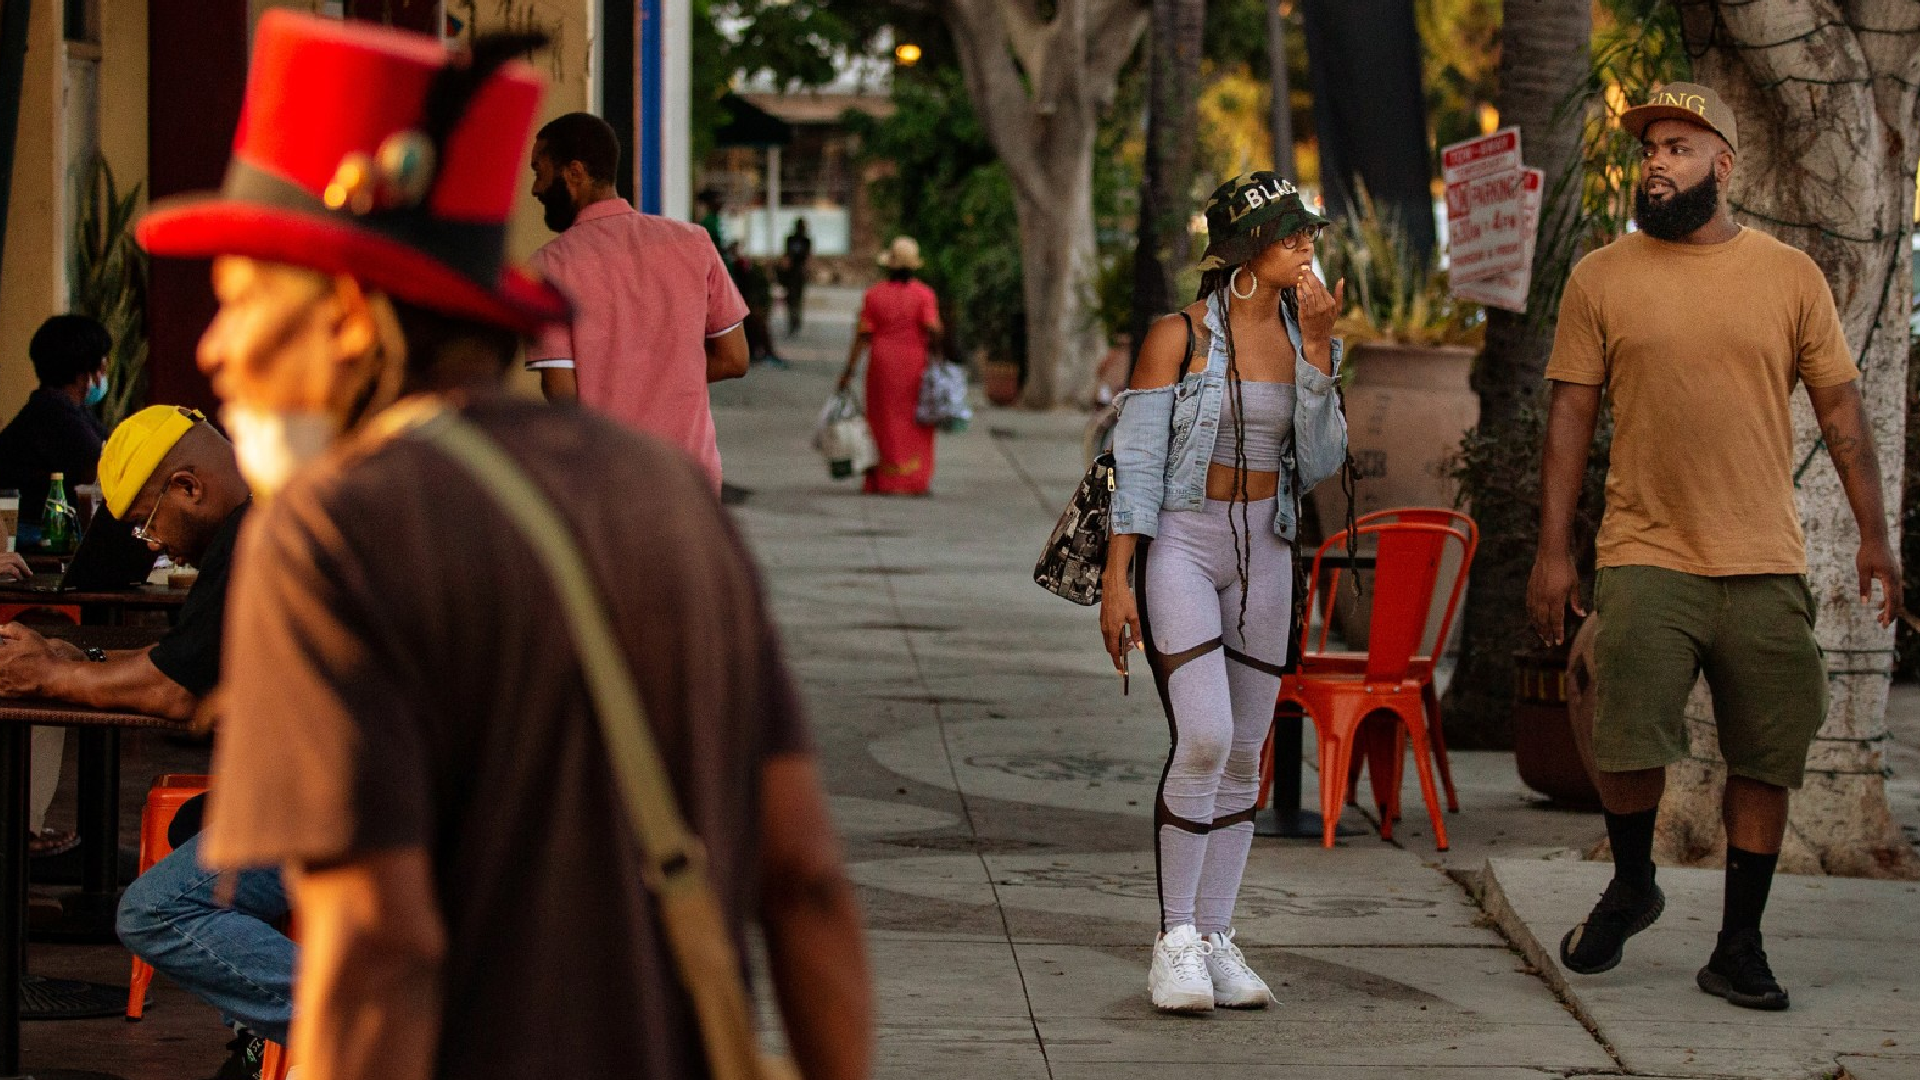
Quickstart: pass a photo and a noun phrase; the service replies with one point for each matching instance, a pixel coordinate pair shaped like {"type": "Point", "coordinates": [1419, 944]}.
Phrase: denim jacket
{"type": "Point", "coordinates": [1164, 438]}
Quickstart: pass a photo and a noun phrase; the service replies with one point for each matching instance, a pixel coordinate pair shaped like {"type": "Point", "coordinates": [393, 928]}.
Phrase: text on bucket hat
{"type": "Point", "coordinates": [137, 447]}
{"type": "Point", "coordinates": [1691, 102]}
{"type": "Point", "coordinates": [1247, 213]}
{"type": "Point", "coordinates": [377, 154]}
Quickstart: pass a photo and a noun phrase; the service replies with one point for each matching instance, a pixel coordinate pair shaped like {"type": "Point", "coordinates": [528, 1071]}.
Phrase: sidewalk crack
{"type": "Point", "coordinates": [889, 581]}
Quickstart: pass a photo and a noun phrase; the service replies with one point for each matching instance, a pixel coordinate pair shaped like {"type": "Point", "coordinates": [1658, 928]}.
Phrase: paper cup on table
{"type": "Point", "coordinates": [9, 514]}
{"type": "Point", "coordinates": [86, 499]}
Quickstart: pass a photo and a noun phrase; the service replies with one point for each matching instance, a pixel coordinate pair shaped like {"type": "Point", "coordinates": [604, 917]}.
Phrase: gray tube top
{"type": "Point", "coordinates": [1269, 425]}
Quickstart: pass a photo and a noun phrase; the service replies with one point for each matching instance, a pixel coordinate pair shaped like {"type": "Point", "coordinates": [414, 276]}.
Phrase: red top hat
{"type": "Point", "coordinates": [377, 154]}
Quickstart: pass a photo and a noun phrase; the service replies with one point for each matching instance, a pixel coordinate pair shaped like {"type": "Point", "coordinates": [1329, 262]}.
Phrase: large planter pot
{"type": "Point", "coordinates": [1545, 749]}
{"type": "Point", "coordinates": [1407, 408]}
{"type": "Point", "coordinates": [1001, 381]}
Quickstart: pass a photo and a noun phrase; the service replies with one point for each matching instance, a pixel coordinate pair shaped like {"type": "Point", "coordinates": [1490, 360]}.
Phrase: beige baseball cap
{"type": "Point", "coordinates": [1691, 102]}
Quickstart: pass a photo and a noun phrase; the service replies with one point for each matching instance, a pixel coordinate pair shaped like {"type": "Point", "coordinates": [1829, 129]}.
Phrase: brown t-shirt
{"type": "Point", "coordinates": [399, 674]}
{"type": "Point", "coordinates": [1700, 347]}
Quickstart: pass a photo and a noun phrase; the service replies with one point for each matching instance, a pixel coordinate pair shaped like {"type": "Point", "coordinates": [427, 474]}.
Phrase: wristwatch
{"type": "Point", "coordinates": [97, 654]}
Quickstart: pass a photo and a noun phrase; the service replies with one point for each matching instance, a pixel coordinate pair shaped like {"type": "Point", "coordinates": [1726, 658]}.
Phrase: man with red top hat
{"type": "Point", "coordinates": [407, 724]}
{"type": "Point", "coordinates": [1698, 330]}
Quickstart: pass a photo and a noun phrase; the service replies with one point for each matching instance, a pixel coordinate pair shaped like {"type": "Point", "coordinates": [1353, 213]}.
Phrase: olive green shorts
{"type": "Point", "coordinates": [1752, 635]}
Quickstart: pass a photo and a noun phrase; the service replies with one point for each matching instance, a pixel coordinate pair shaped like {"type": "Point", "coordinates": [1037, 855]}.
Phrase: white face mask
{"type": "Point", "coordinates": [273, 446]}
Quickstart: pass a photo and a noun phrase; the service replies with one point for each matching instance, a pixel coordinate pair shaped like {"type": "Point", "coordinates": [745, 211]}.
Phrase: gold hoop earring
{"type": "Point", "coordinates": [1233, 284]}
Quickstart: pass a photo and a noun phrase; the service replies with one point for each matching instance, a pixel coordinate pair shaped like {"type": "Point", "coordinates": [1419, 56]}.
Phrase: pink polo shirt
{"type": "Point", "coordinates": [647, 294]}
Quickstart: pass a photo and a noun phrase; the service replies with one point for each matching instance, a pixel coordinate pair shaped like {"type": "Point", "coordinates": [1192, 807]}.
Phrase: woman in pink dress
{"type": "Point", "coordinates": [899, 325]}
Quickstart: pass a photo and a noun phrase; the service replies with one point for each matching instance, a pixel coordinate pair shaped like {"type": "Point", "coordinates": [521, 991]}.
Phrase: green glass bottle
{"type": "Point", "coordinates": [57, 520]}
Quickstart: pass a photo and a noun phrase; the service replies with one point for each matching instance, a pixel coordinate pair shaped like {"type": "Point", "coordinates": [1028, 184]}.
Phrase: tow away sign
{"type": "Point", "coordinates": [1493, 214]}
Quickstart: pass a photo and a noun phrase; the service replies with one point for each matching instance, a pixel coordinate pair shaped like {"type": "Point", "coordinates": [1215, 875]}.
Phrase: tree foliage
{"type": "Point", "coordinates": [1459, 64]}
{"type": "Point", "coordinates": [106, 279]}
{"type": "Point", "coordinates": [948, 190]}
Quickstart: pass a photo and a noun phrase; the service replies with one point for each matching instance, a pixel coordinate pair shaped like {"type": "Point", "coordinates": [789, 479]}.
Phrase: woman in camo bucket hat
{"type": "Point", "coordinates": [1230, 419]}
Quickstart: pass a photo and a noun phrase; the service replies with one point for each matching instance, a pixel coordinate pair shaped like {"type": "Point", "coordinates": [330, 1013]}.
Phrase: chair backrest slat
{"type": "Point", "coordinates": [1412, 561]}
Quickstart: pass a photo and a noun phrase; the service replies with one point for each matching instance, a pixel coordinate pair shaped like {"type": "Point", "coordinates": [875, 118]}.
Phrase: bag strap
{"type": "Point", "coordinates": [673, 861]}
{"type": "Point", "coordinates": [1192, 343]}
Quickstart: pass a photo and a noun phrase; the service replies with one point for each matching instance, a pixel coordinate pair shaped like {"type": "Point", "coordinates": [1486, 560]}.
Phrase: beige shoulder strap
{"type": "Point", "coordinates": [673, 860]}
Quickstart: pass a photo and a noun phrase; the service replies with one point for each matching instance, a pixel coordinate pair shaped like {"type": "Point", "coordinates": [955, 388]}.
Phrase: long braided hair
{"type": "Point", "coordinates": [1211, 282]}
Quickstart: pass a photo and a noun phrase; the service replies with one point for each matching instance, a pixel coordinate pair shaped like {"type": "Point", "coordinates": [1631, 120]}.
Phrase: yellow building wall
{"type": "Point", "coordinates": [31, 276]}
{"type": "Point", "coordinates": [32, 273]}
{"type": "Point", "coordinates": [123, 90]}
{"type": "Point", "coordinates": [567, 65]}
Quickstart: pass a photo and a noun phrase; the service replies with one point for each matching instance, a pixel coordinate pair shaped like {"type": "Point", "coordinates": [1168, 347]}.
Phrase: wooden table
{"type": "Point", "coordinates": [16, 716]}
{"type": "Point", "coordinates": [89, 915]}
{"type": "Point", "coordinates": [107, 602]}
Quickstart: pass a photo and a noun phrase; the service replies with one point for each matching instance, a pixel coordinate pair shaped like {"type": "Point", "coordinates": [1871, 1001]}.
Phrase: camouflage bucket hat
{"type": "Point", "coordinates": [1247, 213]}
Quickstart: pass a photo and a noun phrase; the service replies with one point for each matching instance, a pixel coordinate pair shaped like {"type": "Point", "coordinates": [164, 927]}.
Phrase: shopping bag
{"type": "Point", "coordinates": [943, 397]}
{"type": "Point", "coordinates": [842, 437]}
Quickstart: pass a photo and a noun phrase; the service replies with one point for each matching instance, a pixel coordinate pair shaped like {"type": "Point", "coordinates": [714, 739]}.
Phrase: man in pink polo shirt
{"type": "Point", "coordinates": [656, 317]}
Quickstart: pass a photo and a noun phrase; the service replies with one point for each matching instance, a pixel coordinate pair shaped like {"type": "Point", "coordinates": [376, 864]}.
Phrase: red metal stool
{"type": "Point", "coordinates": [164, 799]}
{"type": "Point", "coordinates": [278, 1060]}
{"type": "Point", "coordinates": [275, 1062]}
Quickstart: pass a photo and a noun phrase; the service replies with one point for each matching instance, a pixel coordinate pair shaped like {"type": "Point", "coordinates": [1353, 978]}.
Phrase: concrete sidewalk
{"type": "Point", "coordinates": [994, 791]}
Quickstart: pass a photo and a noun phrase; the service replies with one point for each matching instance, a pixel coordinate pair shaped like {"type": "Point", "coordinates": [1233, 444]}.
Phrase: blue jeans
{"type": "Point", "coordinates": [233, 957]}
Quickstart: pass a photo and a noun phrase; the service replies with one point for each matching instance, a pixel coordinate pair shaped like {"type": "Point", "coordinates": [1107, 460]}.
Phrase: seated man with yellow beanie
{"type": "Point", "coordinates": [172, 474]}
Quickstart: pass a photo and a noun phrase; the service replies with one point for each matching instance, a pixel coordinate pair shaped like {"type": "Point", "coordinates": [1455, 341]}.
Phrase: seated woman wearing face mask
{"type": "Point", "coordinates": [58, 429]}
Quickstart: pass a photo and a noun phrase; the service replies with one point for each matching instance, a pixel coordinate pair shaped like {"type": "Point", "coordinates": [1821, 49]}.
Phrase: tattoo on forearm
{"type": "Point", "coordinates": [1850, 452]}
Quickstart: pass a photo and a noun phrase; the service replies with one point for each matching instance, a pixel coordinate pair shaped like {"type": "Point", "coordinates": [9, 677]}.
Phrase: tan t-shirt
{"type": "Point", "coordinates": [1700, 346]}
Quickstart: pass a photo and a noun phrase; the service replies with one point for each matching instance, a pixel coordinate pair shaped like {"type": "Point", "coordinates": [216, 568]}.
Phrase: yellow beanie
{"type": "Point", "coordinates": [137, 447]}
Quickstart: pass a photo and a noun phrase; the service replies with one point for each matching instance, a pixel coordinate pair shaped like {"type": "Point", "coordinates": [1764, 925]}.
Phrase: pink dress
{"type": "Point", "coordinates": [898, 316]}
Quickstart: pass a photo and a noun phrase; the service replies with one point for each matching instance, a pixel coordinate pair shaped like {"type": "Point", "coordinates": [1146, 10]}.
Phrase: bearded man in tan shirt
{"type": "Point", "coordinates": [1699, 329]}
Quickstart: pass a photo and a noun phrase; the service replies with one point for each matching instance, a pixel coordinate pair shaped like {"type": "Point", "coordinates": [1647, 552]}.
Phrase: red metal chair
{"type": "Point", "coordinates": [1410, 563]}
{"type": "Point", "coordinates": [35, 612]}
{"type": "Point", "coordinates": [1317, 657]}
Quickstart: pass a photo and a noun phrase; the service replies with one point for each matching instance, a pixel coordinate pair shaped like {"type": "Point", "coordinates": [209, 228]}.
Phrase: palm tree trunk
{"type": "Point", "coordinates": [1166, 181]}
{"type": "Point", "coordinates": [1280, 93]}
{"type": "Point", "coordinates": [1545, 47]}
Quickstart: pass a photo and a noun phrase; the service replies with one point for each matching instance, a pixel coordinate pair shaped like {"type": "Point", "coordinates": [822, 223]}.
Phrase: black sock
{"type": "Point", "coordinates": [1749, 878]}
{"type": "Point", "coordinates": [1632, 837]}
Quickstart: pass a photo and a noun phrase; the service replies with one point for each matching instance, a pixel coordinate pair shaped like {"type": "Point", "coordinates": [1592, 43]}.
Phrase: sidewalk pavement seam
{"type": "Point", "coordinates": [889, 582]}
{"type": "Point", "coordinates": [999, 441]}
{"type": "Point", "coordinates": [1493, 900]}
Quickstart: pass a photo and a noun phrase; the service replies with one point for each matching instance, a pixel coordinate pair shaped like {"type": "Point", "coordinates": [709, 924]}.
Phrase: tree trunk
{"type": "Point", "coordinates": [1166, 181]}
{"type": "Point", "coordinates": [1828, 140]}
{"type": "Point", "coordinates": [1039, 87]}
{"type": "Point", "coordinates": [1544, 60]}
{"type": "Point", "coordinates": [1280, 95]}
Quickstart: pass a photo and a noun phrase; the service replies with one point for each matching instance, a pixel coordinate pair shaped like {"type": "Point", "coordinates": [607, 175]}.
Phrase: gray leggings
{"type": "Point", "coordinates": [1218, 690]}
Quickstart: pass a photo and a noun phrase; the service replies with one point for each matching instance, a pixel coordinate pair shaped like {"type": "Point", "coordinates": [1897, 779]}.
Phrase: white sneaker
{"type": "Point", "coordinates": [1235, 986]}
{"type": "Point", "coordinates": [1178, 979]}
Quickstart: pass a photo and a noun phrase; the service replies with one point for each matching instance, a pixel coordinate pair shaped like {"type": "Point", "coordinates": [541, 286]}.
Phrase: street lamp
{"type": "Point", "coordinates": [906, 54]}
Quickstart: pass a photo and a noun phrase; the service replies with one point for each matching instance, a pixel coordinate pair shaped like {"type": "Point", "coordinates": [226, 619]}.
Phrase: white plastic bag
{"type": "Point", "coordinates": [843, 437]}
{"type": "Point", "coordinates": [943, 397]}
